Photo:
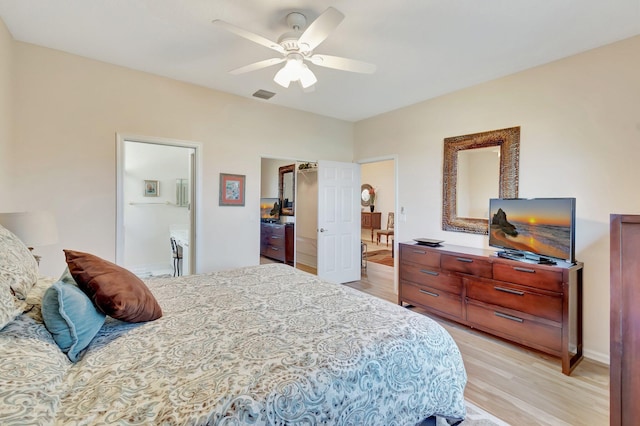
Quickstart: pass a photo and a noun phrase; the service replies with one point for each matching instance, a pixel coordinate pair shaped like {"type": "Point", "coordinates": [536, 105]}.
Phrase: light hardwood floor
{"type": "Point", "coordinates": [519, 386]}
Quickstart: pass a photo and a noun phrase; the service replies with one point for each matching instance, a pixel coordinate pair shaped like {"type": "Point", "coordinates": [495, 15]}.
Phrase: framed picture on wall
{"type": "Point", "coordinates": [151, 188]}
{"type": "Point", "coordinates": [231, 190]}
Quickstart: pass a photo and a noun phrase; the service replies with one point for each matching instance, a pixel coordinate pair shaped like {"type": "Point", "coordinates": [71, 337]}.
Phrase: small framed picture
{"type": "Point", "coordinates": [231, 190]}
{"type": "Point", "coordinates": [151, 188]}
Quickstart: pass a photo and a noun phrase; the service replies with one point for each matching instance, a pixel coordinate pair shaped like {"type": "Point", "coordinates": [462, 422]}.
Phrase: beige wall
{"type": "Point", "coordinates": [580, 137]}
{"type": "Point", "coordinates": [270, 176]}
{"type": "Point", "coordinates": [6, 117]}
{"type": "Point", "coordinates": [68, 110]}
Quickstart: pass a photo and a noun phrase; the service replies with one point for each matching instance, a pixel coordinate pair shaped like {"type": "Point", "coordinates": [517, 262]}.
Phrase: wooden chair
{"type": "Point", "coordinates": [177, 256]}
{"type": "Point", "coordinates": [386, 232]}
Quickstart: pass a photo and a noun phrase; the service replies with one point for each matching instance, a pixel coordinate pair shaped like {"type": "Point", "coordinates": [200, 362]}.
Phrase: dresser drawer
{"type": "Point", "coordinates": [517, 298]}
{"type": "Point", "coordinates": [276, 240]}
{"type": "Point", "coordinates": [466, 265]}
{"type": "Point", "coordinates": [529, 275]}
{"type": "Point", "coordinates": [419, 255]}
{"type": "Point", "coordinates": [275, 252]}
{"type": "Point", "coordinates": [521, 329]}
{"type": "Point", "coordinates": [431, 277]}
{"type": "Point", "coordinates": [432, 298]}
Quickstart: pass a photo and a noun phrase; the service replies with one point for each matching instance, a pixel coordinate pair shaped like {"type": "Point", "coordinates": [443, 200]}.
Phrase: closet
{"type": "Point", "coordinates": [625, 319]}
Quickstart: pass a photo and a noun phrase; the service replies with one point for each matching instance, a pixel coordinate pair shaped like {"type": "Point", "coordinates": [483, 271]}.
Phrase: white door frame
{"type": "Point", "coordinates": [196, 192]}
{"type": "Point", "coordinates": [397, 225]}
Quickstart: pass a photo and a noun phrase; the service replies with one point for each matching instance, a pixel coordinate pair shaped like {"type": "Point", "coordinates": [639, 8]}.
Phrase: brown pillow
{"type": "Point", "coordinates": [114, 290]}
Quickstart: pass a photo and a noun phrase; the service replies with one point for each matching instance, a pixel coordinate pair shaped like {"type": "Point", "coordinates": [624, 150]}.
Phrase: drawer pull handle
{"type": "Point", "coordinates": [275, 237]}
{"type": "Point", "coordinates": [508, 290]}
{"type": "Point", "coordinates": [419, 251]}
{"type": "Point", "coordinates": [509, 317]}
{"type": "Point", "coordinates": [274, 248]}
{"type": "Point", "coordinates": [530, 271]}
{"type": "Point", "coordinates": [429, 293]}
{"type": "Point", "coordinates": [424, 271]}
{"type": "Point", "coordinates": [464, 259]}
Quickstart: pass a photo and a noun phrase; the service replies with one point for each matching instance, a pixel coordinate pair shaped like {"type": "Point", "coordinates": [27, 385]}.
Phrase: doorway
{"type": "Point", "coordinates": [326, 241]}
{"type": "Point", "coordinates": [156, 195]}
{"type": "Point", "coordinates": [379, 255]}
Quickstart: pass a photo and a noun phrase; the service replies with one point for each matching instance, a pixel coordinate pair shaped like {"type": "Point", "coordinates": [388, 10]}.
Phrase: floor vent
{"type": "Point", "coordinates": [263, 94]}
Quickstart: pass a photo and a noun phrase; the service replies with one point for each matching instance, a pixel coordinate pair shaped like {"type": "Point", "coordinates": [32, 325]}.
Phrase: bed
{"type": "Point", "coordinates": [258, 345]}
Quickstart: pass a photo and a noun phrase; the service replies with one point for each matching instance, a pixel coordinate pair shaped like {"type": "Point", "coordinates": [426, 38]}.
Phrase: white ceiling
{"type": "Point", "coordinates": [422, 48]}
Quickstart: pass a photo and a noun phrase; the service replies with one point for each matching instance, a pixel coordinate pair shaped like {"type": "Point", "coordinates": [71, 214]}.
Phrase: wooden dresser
{"type": "Point", "coordinates": [370, 220]}
{"type": "Point", "coordinates": [538, 306]}
{"type": "Point", "coordinates": [625, 319]}
{"type": "Point", "coordinates": [276, 241]}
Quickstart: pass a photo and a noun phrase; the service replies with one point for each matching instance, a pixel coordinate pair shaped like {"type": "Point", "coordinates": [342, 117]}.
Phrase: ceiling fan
{"type": "Point", "coordinates": [296, 47]}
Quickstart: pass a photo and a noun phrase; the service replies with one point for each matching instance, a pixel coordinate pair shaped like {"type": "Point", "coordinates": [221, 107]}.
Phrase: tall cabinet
{"type": "Point", "coordinates": [625, 319]}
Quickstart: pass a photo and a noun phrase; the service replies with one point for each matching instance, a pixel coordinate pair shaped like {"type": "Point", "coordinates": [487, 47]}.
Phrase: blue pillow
{"type": "Point", "coordinates": [67, 278]}
{"type": "Point", "coordinates": [70, 317]}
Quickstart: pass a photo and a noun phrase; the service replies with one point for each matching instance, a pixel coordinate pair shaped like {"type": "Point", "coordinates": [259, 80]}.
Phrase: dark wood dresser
{"type": "Point", "coordinates": [625, 319]}
{"type": "Point", "coordinates": [370, 220]}
{"type": "Point", "coordinates": [276, 241]}
{"type": "Point", "coordinates": [538, 306]}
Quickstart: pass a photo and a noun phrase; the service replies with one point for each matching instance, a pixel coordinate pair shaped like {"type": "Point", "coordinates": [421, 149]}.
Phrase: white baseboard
{"type": "Point", "coordinates": [597, 356]}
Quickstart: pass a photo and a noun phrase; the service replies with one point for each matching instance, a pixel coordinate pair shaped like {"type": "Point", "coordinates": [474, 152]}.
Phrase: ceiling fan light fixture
{"type": "Point", "coordinates": [307, 77]}
{"type": "Point", "coordinates": [297, 46]}
{"type": "Point", "coordinates": [283, 77]}
{"type": "Point", "coordinates": [295, 70]}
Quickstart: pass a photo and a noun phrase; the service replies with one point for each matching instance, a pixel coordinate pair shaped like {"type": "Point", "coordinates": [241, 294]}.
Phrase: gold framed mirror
{"type": "Point", "coordinates": [459, 166]}
{"type": "Point", "coordinates": [287, 189]}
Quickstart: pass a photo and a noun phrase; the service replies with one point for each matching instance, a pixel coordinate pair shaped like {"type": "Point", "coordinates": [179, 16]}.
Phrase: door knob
{"type": "Point", "coordinates": [323, 230]}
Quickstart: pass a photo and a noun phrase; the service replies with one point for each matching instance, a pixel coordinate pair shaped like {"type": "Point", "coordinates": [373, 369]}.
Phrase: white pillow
{"type": "Point", "coordinates": [10, 307]}
{"type": "Point", "coordinates": [18, 267]}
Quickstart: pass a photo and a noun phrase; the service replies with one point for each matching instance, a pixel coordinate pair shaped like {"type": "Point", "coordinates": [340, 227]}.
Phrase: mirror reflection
{"type": "Point", "coordinates": [478, 181]}
{"type": "Point", "coordinates": [287, 189]}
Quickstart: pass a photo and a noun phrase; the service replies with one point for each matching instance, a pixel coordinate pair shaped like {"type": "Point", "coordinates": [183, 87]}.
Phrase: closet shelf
{"type": "Point", "coordinates": [307, 167]}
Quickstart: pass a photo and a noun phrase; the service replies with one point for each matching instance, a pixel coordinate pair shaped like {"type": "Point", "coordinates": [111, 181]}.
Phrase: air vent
{"type": "Point", "coordinates": [263, 94]}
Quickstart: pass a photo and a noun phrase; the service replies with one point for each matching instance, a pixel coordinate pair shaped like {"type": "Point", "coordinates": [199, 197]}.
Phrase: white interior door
{"type": "Point", "coordinates": [338, 221]}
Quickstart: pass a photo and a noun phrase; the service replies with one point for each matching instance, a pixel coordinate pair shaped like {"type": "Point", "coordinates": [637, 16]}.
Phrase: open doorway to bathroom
{"type": "Point", "coordinates": [156, 206]}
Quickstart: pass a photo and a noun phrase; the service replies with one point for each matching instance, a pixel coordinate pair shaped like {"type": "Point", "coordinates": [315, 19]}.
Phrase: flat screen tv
{"type": "Point", "coordinates": [269, 209]}
{"type": "Point", "coordinates": [539, 230]}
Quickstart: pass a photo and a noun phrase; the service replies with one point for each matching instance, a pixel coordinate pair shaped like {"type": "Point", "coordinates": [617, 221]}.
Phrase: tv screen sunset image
{"type": "Point", "coordinates": [541, 226]}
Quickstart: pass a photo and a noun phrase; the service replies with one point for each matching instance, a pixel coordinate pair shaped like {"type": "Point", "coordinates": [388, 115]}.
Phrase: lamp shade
{"type": "Point", "coordinates": [307, 77]}
{"type": "Point", "coordinates": [295, 70]}
{"type": "Point", "coordinates": [33, 228]}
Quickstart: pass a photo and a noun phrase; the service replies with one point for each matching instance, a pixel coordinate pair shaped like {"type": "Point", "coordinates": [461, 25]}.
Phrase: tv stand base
{"type": "Point", "coordinates": [526, 257]}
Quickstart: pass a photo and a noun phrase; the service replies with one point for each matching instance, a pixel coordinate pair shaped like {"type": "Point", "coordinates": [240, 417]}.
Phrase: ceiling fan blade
{"type": "Point", "coordinates": [248, 35]}
{"type": "Point", "coordinates": [320, 29]}
{"type": "Point", "coordinates": [343, 64]}
{"type": "Point", "coordinates": [257, 65]}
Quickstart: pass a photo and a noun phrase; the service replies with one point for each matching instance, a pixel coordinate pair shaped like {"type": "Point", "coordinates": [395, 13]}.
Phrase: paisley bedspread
{"type": "Point", "coordinates": [257, 345]}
